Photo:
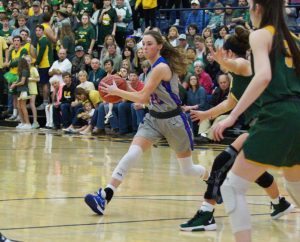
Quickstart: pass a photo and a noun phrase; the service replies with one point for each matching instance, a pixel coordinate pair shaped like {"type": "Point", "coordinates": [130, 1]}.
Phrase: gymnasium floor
{"type": "Point", "coordinates": [45, 175]}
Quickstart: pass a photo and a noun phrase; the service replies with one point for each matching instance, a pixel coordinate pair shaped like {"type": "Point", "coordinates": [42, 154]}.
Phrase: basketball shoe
{"type": "Point", "coordinates": [202, 221]}
{"type": "Point", "coordinates": [96, 202]}
{"type": "Point", "coordinates": [4, 239]}
{"type": "Point", "coordinates": [282, 208]}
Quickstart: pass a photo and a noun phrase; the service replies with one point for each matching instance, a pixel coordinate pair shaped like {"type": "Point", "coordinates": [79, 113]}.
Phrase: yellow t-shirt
{"type": "Point", "coordinates": [32, 85]}
{"type": "Point", "coordinates": [3, 47]}
{"type": "Point", "coordinates": [95, 97]}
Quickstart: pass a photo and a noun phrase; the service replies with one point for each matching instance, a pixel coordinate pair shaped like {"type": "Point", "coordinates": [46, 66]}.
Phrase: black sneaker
{"type": "Point", "coordinates": [202, 221]}
{"type": "Point", "coordinates": [4, 239]}
{"type": "Point", "coordinates": [282, 208]}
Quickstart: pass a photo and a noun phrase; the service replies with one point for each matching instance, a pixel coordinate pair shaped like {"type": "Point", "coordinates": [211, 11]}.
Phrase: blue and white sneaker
{"type": "Point", "coordinates": [96, 202]}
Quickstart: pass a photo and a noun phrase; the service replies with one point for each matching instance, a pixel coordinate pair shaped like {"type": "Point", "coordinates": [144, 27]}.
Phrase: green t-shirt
{"type": "Point", "coordinates": [82, 8]}
{"type": "Point", "coordinates": [106, 25]}
{"type": "Point", "coordinates": [84, 36]}
{"type": "Point", "coordinates": [6, 34]}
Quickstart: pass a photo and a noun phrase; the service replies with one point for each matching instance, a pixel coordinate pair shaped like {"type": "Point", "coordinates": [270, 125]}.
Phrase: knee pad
{"type": "Point", "coordinates": [189, 169]}
{"type": "Point", "coordinates": [234, 195]}
{"type": "Point", "coordinates": [293, 189]}
{"type": "Point", "coordinates": [265, 180]}
{"type": "Point", "coordinates": [222, 164]}
{"type": "Point", "coordinates": [133, 154]}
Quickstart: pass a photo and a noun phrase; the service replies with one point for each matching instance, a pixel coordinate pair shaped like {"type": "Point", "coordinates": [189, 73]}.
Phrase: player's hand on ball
{"type": "Point", "coordinates": [110, 89]}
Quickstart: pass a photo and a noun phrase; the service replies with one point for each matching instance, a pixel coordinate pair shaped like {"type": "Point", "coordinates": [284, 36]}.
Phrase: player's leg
{"type": "Point", "coordinates": [233, 192]}
{"type": "Point", "coordinates": [292, 182]}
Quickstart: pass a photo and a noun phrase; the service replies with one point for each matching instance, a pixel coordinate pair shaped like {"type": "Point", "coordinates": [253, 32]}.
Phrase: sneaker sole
{"type": "Point", "coordinates": [287, 211]}
{"type": "Point", "coordinates": [92, 203]}
{"type": "Point", "coordinates": [210, 227]}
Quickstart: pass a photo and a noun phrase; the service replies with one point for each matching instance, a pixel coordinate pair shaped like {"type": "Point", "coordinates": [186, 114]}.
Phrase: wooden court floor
{"type": "Point", "coordinates": [45, 175]}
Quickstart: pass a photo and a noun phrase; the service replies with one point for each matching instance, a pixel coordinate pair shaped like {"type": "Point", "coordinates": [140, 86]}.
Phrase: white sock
{"type": "Point", "coordinates": [275, 201]}
{"type": "Point", "coordinates": [15, 112]}
{"type": "Point", "coordinates": [207, 207]}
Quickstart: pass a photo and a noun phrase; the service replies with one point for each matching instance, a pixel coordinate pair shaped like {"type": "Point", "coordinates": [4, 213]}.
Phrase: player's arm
{"type": "Point", "coordinates": [261, 42]}
{"type": "Point", "coordinates": [159, 73]}
{"type": "Point", "coordinates": [216, 111]}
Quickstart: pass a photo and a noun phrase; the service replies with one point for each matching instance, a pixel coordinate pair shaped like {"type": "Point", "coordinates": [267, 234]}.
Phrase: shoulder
{"type": "Point", "coordinates": [261, 38]}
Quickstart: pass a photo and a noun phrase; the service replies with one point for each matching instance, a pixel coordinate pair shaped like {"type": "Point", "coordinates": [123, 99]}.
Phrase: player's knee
{"type": "Point", "coordinates": [128, 160]}
{"type": "Point", "coordinates": [233, 187]}
{"type": "Point", "coordinates": [265, 180]}
{"type": "Point", "coordinates": [233, 192]}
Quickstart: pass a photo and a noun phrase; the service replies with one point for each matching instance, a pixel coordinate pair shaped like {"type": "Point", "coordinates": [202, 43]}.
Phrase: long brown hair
{"type": "Point", "coordinates": [66, 30]}
{"type": "Point", "coordinates": [175, 57]}
{"type": "Point", "coordinates": [273, 15]}
{"type": "Point", "coordinates": [23, 65]}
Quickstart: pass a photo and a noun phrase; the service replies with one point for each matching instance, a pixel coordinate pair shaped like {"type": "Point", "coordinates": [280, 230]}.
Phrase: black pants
{"type": "Point", "coordinates": [171, 3]}
{"type": "Point", "coordinates": [150, 18]}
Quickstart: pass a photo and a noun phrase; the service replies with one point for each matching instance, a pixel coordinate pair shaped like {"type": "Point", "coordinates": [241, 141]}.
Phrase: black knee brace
{"type": "Point", "coordinates": [222, 164]}
{"type": "Point", "coordinates": [265, 180]}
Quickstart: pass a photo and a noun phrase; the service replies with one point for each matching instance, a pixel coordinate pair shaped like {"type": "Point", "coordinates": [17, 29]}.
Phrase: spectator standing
{"type": "Point", "coordinates": [21, 87]}
{"type": "Point", "coordinates": [107, 22]}
{"type": "Point", "coordinates": [34, 20]}
{"type": "Point", "coordinates": [85, 34]}
{"type": "Point", "coordinates": [149, 11]}
{"type": "Point", "coordinates": [123, 19]}
{"type": "Point", "coordinates": [33, 79]}
{"type": "Point", "coordinates": [43, 61]}
{"type": "Point", "coordinates": [67, 40]}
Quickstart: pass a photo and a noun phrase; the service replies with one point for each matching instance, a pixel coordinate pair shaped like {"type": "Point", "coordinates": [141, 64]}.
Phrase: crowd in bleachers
{"type": "Point", "coordinates": [70, 46]}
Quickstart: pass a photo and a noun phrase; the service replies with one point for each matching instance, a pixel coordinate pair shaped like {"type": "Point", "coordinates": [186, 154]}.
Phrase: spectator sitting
{"type": "Point", "coordinates": [222, 33]}
{"type": "Point", "coordinates": [228, 16]}
{"type": "Point", "coordinates": [62, 114]}
{"type": "Point", "coordinates": [216, 18]}
{"type": "Point", "coordinates": [82, 96]}
{"type": "Point", "coordinates": [173, 36]}
{"type": "Point", "coordinates": [219, 95]}
{"type": "Point", "coordinates": [196, 16]}
{"type": "Point", "coordinates": [207, 32]}
{"type": "Point", "coordinates": [200, 48]}
{"type": "Point", "coordinates": [145, 66]}
{"type": "Point", "coordinates": [108, 40]}
{"type": "Point", "coordinates": [108, 67]}
{"type": "Point", "coordinates": [78, 62]}
{"type": "Point", "coordinates": [60, 66]}
{"type": "Point", "coordinates": [56, 95]}
{"type": "Point", "coordinates": [138, 59]}
{"type": "Point", "coordinates": [196, 99]}
{"type": "Point", "coordinates": [183, 44]}
{"type": "Point", "coordinates": [86, 116]}
{"type": "Point", "coordinates": [87, 62]}
{"type": "Point", "coordinates": [97, 73]}
{"type": "Point", "coordinates": [84, 83]}
{"type": "Point", "coordinates": [192, 31]}
{"type": "Point", "coordinates": [212, 68]}
{"type": "Point", "coordinates": [203, 78]}
{"type": "Point", "coordinates": [290, 16]}
{"type": "Point", "coordinates": [241, 16]}
{"type": "Point", "coordinates": [124, 108]}
{"type": "Point", "coordinates": [114, 56]}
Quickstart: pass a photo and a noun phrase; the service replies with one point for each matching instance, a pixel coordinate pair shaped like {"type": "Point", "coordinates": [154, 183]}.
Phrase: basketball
{"type": "Point", "coordinates": [120, 82]}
